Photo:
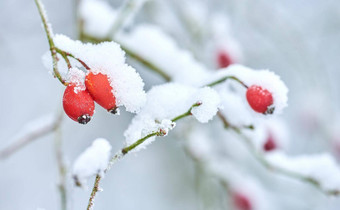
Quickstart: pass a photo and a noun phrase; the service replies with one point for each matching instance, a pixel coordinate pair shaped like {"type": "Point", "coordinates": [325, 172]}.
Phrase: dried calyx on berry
{"type": "Point", "coordinates": [98, 85]}
{"type": "Point", "coordinates": [260, 99]}
{"type": "Point", "coordinates": [78, 103]}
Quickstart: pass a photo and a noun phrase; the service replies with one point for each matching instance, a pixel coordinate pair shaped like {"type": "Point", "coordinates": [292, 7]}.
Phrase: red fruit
{"type": "Point", "coordinates": [241, 202]}
{"type": "Point", "coordinates": [101, 91]}
{"type": "Point", "coordinates": [78, 103]}
{"type": "Point", "coordinates": [224, 59]}
{"type": "Point", "coordinates": [260, 100]}
{"type": "Point", "coordinates": [269, 144]}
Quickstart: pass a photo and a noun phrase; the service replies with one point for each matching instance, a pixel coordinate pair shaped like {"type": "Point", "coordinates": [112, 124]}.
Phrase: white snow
{"type": "Point", "coordinates": [98, 17]}
{"type": "Point", "coordinates": [321, 167]}
{"type": "Point", "coordinates": [108, 58]}
{"type": "Point", "coordinates": [76, 76]}
{"type": "Point", "coordinates": [159, 48]}
{"type": "Point", "coordinates": [264, 78]}
{"type": "Point", "coordinates": [92, 161]}
{"type": "Point", "coordinates": [165, 102]}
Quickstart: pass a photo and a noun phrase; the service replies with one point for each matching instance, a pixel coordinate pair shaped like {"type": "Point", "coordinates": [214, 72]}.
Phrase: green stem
{"type": "Point", "coordinates": [65, 56]}
{"type": "Point", "coordinates": [121, 153]}
{"type": "Point", "coordinates": [226, 78]}
{"type": "Point", "coordinates": [49, 35]}
{"type": "Point", "coordinates": [146, 63]}
{"type": "Point", "coordinates": [127, 149]}
{"type": "Point", "coordinates": [95, 189]}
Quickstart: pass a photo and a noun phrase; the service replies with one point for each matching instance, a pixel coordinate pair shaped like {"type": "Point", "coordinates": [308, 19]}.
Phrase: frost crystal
{"type": "Point", "coordinates": [92, 161]}
{"type": "Point", "coordinates": [165, 102]}
{"type": "Point", "coordinates": [108, 58]}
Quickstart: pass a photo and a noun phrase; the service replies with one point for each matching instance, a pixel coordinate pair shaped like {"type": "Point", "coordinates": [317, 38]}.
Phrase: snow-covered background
{"type": "Point", "coordinates": [298, 40]}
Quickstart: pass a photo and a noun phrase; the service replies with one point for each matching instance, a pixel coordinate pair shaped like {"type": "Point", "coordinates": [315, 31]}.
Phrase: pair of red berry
{"type": "Point", "coordinates": [78, 102]}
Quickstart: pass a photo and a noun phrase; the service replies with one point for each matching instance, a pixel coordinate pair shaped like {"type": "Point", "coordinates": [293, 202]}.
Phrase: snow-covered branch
{"type": "Point", "coordinates": [31, 132]}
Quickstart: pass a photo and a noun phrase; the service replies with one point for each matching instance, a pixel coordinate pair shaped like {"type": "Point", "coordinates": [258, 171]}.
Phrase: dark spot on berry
{"type": "Point", "coordinates": [270, 110]}
{"type": "Point", "coordinates": [114, 110]}
{"type": "Point", "coordinates": [84, 119]}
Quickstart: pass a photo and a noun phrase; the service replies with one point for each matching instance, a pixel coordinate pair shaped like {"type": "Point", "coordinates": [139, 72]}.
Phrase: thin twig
{"type": "Point", "coordinates": [226, 78]}
{"type": "Point", "coordinates": [95, 189]}
{"type": "Point", "coordinates": [123, 14]}
{"type": "Point", "coordinates": [121, 153]}
{"type": "Point", "coordinates": [61, 168]}
{"type": "Point", "coordinates": [66, 54]}
{"type": "Point", "coordinates": [49, 35]}
{"type": "Point", "coordinates": [30, 136]}
{"type": "Point", "coordinates": [146, 63]}
{"type": "Point", "coordinates": [264, 162]}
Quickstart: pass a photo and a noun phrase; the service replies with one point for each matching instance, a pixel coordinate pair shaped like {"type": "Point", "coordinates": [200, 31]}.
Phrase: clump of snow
{"type": "Point", "coordinates": [165, 102]}
{"type": "Point", "coordinates": [108, 58]}
{"type": "Point", "coordinates": [321, 167]}
{"type": "Point", "coordinates": [264, 78]}
{"type": "Point", "coordinates": [160, 49]}
{"type": "Point", "coordinates": [92, 161]}
{"type": "Point", "coordinates": [200, 144]}
{"type": "Point", "coordinates": [76, 77]}
{"type": "Point", "coordinates": [98, 17]}
{"type": "Point", "coordinates": [235, 108]}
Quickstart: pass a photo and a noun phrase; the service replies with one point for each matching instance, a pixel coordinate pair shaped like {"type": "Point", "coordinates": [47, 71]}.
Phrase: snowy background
{"type": "Point", "coordinates": [297, 40]}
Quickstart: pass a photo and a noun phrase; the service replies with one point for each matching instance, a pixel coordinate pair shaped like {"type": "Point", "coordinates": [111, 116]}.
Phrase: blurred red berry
{"type": "Point", "coordinates": [101, 91]}
{"type": "Point", "coordinates": [260, 100]}
{"type": "Point", "coordinates": [78, 103]}
{"type": "Point", "coordinates": [241, 202]}
{"type": "Point", "coordinates": [224, 59]}
{"type": "Point", "coordinates": [270, 144]}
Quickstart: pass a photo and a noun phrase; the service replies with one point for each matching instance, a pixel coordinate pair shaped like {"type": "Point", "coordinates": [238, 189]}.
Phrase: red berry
{"type": "Point", "coordinates": [101, 91]}
{"type": "Point", "coordinates": [78, 103]}
{"type": "Point", "coordinates": [269, 144]}
{"type": "Point", "coordinates": [224, 59]}
{"type": "Point", "coordinates": [260, 100]}
{"type": "Point", "coordinates": [241, 202]}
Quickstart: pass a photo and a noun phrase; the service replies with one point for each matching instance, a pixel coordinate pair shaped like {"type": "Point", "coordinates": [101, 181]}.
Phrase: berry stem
{"type": "Point", "coordinates": [121, 153]}
{"type": "Point", "coordinates": [49, 34]}
{"type": "Point", "coordinates": [226, 78]}
{"type": "Point", "coordinates": [65, 55]}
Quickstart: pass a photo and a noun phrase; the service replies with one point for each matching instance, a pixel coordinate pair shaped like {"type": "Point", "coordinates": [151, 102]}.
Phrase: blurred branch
{"type": "Point", "coordinates": [49, 34]}
{"type": "Point", "coordinates": [146, 63]}
{"type": "Point", "coordinates": [272, 167]}
{"type": "Point", "coordinates": [31, 134]}
{"type": "Point", "coordinates": [121, 153]}
{"type": "Point", "coordinates": [61, 168]}
{"type": "Point", "coordinates": [124, 13]}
